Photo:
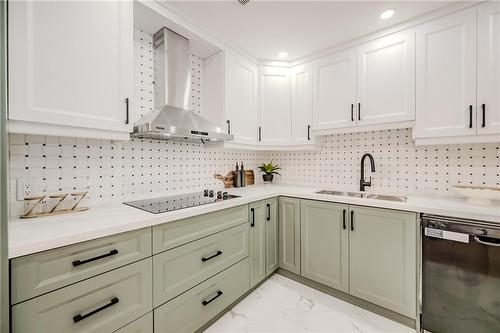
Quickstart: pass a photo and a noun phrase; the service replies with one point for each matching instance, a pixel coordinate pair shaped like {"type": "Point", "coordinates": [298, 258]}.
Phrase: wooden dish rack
{"type": "Point", "coordinates": [54, 211]}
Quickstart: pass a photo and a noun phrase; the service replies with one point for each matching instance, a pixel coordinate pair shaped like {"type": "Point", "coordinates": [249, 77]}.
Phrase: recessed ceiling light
{"type": "Point", "coordinates": [283, 54]}
{"type": "Point", "coordinates": [388, 13]}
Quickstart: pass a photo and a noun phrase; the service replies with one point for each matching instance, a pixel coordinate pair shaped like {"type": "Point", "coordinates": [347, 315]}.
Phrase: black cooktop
{"type": "Point", "coordinates": [176, 202]}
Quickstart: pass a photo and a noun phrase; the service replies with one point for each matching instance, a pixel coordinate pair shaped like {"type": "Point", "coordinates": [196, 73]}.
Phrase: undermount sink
{"type": "Point", "coordinates": [364, 195]}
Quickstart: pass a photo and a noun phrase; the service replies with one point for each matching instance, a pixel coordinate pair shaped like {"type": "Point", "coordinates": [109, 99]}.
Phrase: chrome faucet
{"type": "Point", "coordinates": [362, 182]}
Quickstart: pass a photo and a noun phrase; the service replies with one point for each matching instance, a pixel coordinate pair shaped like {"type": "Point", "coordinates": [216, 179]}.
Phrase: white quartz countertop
{"type": "Point", "coordinates": [40, 234]}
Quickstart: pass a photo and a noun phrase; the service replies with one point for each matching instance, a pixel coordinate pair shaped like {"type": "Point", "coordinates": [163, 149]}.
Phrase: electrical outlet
{"type": "Point", "coordinates": [24, 188]}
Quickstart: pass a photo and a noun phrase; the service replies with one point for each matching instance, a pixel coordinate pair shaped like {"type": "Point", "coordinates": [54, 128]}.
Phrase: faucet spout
{"type": "Point", "coordinates": [362, 182]}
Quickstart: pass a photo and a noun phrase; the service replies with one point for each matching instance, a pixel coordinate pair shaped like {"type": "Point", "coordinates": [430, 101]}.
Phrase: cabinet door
{"type": "Point", "coordinates": [382, 248]}
{"type": "Point", "coordinates": [386, 79]}
{"type": "Point", "coordinates": [446, 76]}
{"type": "Point", "coordinates": [289, 234]}
{"type": "Point", "coordinates": [141, 325]}
{"type": "Point", "coordinates": [301, 81]}
{"type": "Point", "coordinates": [488, 68]}
{"type": "Point", "coordinates": [324, 243]}
{"type": "Point", "coordinates": [72, 63]}
{"type": "Point", "coordinates": [241, 98]}
{"type": "Point", "coordinates": [271, 235]}
{"type": "Point", "coordinates": [275, 109]}
{"type": "Point", "coordinates": [257, 242]}
{"type": "Point", "coordinates": [334, 90]}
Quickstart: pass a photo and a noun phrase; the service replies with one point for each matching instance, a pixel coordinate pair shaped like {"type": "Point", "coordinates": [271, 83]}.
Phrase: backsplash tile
{"type": "Point", "coordinates": [400, 165]}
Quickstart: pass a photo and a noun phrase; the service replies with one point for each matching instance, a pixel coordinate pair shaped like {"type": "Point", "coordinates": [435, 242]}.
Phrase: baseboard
{"type": "Point", "coordinates": [410, 322]}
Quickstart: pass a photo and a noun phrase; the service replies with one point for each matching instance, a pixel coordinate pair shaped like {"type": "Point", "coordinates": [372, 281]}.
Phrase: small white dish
{"type": "Point", "coordinates": [479, 195]}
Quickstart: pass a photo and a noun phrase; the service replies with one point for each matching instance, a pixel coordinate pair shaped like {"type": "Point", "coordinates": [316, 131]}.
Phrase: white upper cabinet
{"type": "Point", "coordinates": [301, 81]}
{"type": "Point", "coordinates": [275, 109]}
{"type": "Point", "coordinates": [334, 90]}
{"type": "Point", "coordinates": [488, 68]}
{"type": "Point", "coordinates": [446, 76]}
{"type": "Point", "coordinates": [241, 99]}
{"type": "Point", "coordinates": [386, 79]}
{"type": "Point", "coordinates": [71, 66]}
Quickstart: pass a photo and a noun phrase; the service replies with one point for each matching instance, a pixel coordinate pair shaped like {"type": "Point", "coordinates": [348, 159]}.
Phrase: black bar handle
{"type": "Point", "coordinates": [308, 132]}
{"type": "Point", "coordinates": [81, 262]}
{"type": "Point", "coordinates": [343, 220]}
{"type": "Point", "coordinates": [359, 111]}
{"type": "Point", "coordinates": [80, 317]}
{"type": "Point", "coordinates": [216, 254]}
{"type": "Point", "coordinates": [260, 133]}
{"type": "Point", "coordinates": [483, 107]}
{"type": "Point", "coordinates": [470, 116]}
{"type": "Point", "coordinates": [253, 217]}
{"type": "Point", "coordinates": [206, 302]}
{"type": "Point", "coordinates": [127, 111]}
{"type": "Point", "coordinates": [352, 112]}
{"type": "Point", "coordinates": [352, 220]}
{"type": "Point", "coordinates": [228, 122]}
{"type": "Point", "coordinates": [268, 212]}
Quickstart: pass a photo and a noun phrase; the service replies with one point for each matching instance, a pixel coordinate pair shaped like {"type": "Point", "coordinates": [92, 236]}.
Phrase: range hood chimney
{"type": "Point", "coordinates": [171, 118]}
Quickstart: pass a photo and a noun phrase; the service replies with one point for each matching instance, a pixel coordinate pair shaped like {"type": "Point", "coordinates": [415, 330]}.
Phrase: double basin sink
{"type": "Point", "coordinates": [364, 195]}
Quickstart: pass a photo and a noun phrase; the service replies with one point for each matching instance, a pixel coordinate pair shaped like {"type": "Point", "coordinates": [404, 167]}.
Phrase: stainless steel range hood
{"type": "Point", "coordinates": [171, 119]}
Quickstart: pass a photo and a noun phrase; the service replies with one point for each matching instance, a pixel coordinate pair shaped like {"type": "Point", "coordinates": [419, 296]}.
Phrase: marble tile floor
{"type": "Point", "coordinates": [284, 305]}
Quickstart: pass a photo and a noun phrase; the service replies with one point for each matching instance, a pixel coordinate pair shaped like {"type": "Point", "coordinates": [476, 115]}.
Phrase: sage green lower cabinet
{"type": "Point", "coordinates": [192, 309]}
{"type": "Point", "coordinates": [271, 235]}
{"type": "Point", "coordinates": [172, 234]}
{"type": "Point", "coordinates": [257, 218]}
{"type": "Point", "coordinates": [103, 303]}
{"type": "Point", "coordinates": [42, 272]}
{"type": "Point", "coordinates": [141, 325]}
{"type": "Point", "coordinates": [179, 269]}
{"type": "Point", "coordinates": [289, 234]}
{"type": "Point", "coordinates": [383, 258]}
{"type": "Point", "coordinates": [325, 243]}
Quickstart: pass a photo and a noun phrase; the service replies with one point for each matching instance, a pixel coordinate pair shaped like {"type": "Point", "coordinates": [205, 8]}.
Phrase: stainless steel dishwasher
{"type": "Point", "coordinates": [460, 276]}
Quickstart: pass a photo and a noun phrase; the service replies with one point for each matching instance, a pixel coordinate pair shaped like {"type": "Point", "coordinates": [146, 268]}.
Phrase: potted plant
{"type": "Point", "coordinates": [269, 170]}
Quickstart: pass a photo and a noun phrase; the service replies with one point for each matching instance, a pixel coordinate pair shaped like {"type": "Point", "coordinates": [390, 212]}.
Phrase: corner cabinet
{"type": "Point", "coordinates": [71, 68]}
{"type": "Point", "coordinates": [301, 89]}
{"type": "Point", "coordinates": [274, 106]}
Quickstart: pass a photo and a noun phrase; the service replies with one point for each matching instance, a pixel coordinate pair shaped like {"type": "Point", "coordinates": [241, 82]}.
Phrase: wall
{"type": "Point", "coordinates": [400, 165]}
{"type": "Point", "coordinates": [113, 172]}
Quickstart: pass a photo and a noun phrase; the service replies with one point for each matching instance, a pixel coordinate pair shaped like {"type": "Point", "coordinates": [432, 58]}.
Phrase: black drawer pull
{"type": "Point", "coordinates": [252, 224]}
{"type": "Point", "coordinates": [219, 293]}
{"type": "Point", "coordinates": [470, 116]}
{"type": "Point", "coordinates": [359, 111]}
{"type": "Point", "coordinates": [483, 124]}
{"type": "Point", "coordinates": [228, 126]}
{"type": "Point", "coordinates": [218, 253]}
{"type": "Point", "coordinates": [268, 212]}
{"type": "Point", "coordinates": [80, 317]}
{"type": "Point", "coordinates": [81, 262]}
{"type": "Point", "coordinates": [343, 220]}
{"type": "Point", "coordinates": [352, 112]}
{"type": "Point", "coordinates": [126, 111]}
{"type": "Point", "coordinates": [352, 220]}
{"type": "Point", "coordinates": [308, 132]}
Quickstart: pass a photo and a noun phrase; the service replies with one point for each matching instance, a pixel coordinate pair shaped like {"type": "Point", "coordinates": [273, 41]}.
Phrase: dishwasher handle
{"type": "Point", "coordinates": [487, 241]}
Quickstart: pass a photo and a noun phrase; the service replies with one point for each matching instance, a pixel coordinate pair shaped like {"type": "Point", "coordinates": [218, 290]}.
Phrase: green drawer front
{"type": "Point", "coordinates": [176, 233]}
{"type": "Point", "coordinates": [179, 269]}
{"type": "Point", "coordinates": [187, 313]}
{"type": "Point", "coordinates": [56, 312]}
{"type": "Point", "coordinates": [40, 273]}
{"type": "Point", "coordinates": [141, 325]}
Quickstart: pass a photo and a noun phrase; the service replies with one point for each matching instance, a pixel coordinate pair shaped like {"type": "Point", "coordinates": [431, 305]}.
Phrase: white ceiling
{"type": "Point", "coordinates": [264, 28]}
